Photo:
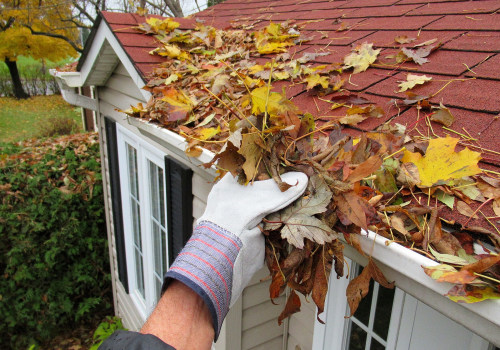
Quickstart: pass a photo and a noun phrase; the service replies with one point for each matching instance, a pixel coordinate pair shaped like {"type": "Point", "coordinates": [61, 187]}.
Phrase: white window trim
{"type": "Point", "coordinates": [145, 153]}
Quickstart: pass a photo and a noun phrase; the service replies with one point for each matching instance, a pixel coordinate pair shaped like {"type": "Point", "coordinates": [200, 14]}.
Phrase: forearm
{"type": "Point", "coordinates": [181, 319]}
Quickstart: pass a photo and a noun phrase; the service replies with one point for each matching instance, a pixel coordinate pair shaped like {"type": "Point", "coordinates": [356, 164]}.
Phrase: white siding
{"type": "Point", "coordinates": [260, 328]}
{"type": "Point", "coordinates": [301, 326]}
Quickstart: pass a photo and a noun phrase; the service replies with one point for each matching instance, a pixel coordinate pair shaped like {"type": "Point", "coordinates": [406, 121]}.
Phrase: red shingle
{"type": "Point", "coordinates": [385, 11]}
{"type": "Point", "coordinates": [458, 8]}
{"type": "Point", "coordinates": [360, 82]}
{"type": "Point", "coordinates": [440, 62]}
{"type": "Point", "coordinates": [368, 3]}
{"type": "Point", "coordinates": [321, 14]}
{"type": "Point", "coordinates": [137, 39]}
{"type": "Point", "coordinates": [342, 25]}
{"type": "Point", "coordinates": [119, 18]}
{"type": "Point", "coordinates": [488, 69]}
{"type": "Point", "coordinates": [386, 38]}
{"type": "Point", "coordinates": [397, 23]}
{"type": "Point", "coordinates": [467, 22]}
{"type": "Point", "coordinates": [473, 94]}
{"type": "Point", "coordinates": [476, 41]}
{"type": "Point", "coordinates": [124, 28]}
{"type": "Point", "coordinates": [141, 55]}
{"type": "Point", "coordinates": [483, 127]}
{"type": "Point", "coordinates": [324, 38]}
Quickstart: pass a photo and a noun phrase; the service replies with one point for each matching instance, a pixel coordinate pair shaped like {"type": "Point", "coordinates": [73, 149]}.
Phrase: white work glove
{"type": "Point", "coordinates": [227, 247]}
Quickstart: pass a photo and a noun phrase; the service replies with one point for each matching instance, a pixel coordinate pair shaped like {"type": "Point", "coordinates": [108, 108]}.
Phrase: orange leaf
{"type": "Point", "coordinates": [292, 306]}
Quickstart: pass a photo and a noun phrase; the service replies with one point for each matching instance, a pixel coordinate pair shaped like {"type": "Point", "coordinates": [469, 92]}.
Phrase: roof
{"type": "Point", "coordinates": [464, 69]}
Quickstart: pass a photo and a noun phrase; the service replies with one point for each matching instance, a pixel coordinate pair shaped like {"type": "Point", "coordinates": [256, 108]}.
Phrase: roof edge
{"type": "Point", "coordinates": [88, 42]}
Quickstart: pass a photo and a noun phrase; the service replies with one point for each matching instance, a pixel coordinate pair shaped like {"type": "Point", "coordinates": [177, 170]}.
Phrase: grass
{"type": "Point", "coordinates": [21, 119]}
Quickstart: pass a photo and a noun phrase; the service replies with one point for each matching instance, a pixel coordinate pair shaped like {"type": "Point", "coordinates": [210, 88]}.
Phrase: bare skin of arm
{"type": "Point", "coordinates": [181, 319]}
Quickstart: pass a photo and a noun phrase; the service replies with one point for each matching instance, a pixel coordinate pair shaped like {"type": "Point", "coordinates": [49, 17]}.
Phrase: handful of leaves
{"type": "Point", "coordinates": [387, 181]}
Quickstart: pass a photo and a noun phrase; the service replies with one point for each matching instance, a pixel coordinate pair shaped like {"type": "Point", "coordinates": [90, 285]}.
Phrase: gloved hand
{"type": "Point", "coordinates": [227, 247]}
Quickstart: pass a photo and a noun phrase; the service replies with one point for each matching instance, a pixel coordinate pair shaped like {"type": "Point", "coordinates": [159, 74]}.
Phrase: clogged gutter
{"type": "Point", "coordinates": [216, 89]}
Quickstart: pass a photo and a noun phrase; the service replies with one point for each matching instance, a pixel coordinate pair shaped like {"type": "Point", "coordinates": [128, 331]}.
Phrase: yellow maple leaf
{"type": "Point", "coordinates": [361, 58]}
{"type": "Point", "coordinates": [260, 97]}
{"type": "Point", "coordinates": [412, 80]}
{"type": "Point", "coordinates": [316, 79]}
{"type": "Point", "coordinates": [207, 133]}
{"type": "Point", "coordinates": [158, 25]}
{"type": "Point", "coordinates": [441, 163]}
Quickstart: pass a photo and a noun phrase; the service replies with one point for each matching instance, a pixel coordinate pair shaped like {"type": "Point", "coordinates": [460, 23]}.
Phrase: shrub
{"type": "Point", "coordinates": [57, 126]}
{"type": "Point", "coordinates": [53, 256]}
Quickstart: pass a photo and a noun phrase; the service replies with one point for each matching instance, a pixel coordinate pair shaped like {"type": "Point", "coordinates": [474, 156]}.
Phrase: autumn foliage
{"type": "Point", "coordinates": [217, 91]}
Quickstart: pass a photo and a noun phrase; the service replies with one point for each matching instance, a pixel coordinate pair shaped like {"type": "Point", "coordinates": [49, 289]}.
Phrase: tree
{"type": "Point", "coordinates": [20, 23]}
{"type": "Point", "coordinates": [49, 29]}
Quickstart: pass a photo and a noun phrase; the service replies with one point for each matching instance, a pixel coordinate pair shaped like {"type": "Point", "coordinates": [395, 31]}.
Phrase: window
{"type": "Point", "coordinates": [143, 191]}
{"type": "Point", "coordinates": [387, 319]}
{"type": "Point", "coordinates": [369, 326]}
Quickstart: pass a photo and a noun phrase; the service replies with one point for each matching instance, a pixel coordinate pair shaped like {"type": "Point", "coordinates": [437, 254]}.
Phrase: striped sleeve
{"type": "Point", "coordinates": [206, 266]}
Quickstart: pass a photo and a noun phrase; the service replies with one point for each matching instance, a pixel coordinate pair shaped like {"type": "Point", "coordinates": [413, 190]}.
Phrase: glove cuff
{"type": "Point", "coordinates": [206, 266]}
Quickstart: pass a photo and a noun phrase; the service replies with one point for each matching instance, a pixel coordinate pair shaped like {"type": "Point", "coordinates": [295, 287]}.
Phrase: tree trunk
{"type": "Point", "coordinates": [17, 86]}
{"type": "Point", "coordinates": [175, 7]}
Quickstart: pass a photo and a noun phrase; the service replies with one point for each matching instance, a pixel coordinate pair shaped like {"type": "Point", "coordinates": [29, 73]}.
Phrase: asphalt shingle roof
{"type": "Point", "coordinates": [465, 69]}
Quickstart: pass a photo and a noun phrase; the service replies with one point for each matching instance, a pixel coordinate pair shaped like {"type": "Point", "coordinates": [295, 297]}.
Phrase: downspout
{"type": "Point", "coordinates": [67, 82]}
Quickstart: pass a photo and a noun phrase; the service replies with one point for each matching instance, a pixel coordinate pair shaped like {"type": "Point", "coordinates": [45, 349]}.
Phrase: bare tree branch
{"type": "Point", "coordinates": [57, 36]}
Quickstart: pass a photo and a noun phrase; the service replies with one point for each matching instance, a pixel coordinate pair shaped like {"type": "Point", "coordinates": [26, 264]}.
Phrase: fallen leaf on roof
{"type": "Point", "coordinates": [442, 115]}
{"type": "Point", "coordinates": [412, 80]}
{"type": "Point", "coordinates": [361, 57]}
{"type": "Point", "coordinates": [403, 39]}
{"type": "Point", "coordinates": [418, 54]}
{"type": "Point", "coordinates": [441, 163]}
{"type": "Point", "coordinates": [316, 79]}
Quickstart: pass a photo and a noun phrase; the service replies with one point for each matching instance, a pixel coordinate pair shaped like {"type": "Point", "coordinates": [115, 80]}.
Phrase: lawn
{"type": "Point", "coordinates": [22, 119]}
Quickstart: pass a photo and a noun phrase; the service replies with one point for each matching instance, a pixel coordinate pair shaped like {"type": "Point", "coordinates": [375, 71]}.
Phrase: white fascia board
{"type": "Point", "coordinates": [169, 138]}
{"type": "Point", "coordinates": [104, 34]}
{"type": "Point", "coordinates": [404, 266]}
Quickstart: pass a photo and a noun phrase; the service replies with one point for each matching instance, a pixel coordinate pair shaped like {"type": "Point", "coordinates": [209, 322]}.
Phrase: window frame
{"type": "Point", "coordinates": [146, 153]}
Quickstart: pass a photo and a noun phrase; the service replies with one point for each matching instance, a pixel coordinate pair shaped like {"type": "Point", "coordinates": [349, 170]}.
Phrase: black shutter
{"type": "Point", "coordinates": [179, 205]}
{"type": "Point", "coordinates": [116, 200]}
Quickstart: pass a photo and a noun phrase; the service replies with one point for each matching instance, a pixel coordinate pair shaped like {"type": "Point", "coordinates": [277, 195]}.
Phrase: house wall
{"type": "Point", "coordinates": [252, 321]}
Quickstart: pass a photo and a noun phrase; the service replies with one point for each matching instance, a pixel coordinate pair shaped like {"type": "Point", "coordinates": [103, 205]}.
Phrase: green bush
{"type": "Point", "coordinates": [57, 126]}
{"type": "Point", "coordinates": [53, 256]}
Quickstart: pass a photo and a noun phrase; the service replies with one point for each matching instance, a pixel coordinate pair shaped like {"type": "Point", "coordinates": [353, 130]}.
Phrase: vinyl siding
{"type": "Point", "coordinates": [252, 322]}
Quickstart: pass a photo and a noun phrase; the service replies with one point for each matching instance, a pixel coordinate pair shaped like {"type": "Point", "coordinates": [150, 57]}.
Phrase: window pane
{"type": "Point", "coordinates": [376, 345]}
{"type": "Point", "coordinates": [383, 311]}
{"type": "Point", "coordinates": [158, 284]}
{"type": "Point", "coordinates": [357, 338]}
{"type": "Point", "coordinates": [139, 272]}
{"type": "Point", "coordinates": [161, 191]}
{"type": "Point", "coordinates": [363, 311]}
{"type": "Point", "coordinates": [153, 186]}
{"type": "Point", "coordinates": [157, 248]}
{"type": "Point", "coordinates": [132, 170]}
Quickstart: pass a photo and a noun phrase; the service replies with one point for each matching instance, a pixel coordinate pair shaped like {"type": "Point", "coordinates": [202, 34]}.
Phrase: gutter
{"type": "Point", "coordinates": [67, 82]}
{"type": "Point", "coordinates": [404, 266]}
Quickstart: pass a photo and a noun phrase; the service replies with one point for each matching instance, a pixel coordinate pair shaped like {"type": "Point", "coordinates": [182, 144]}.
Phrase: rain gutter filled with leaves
{"type": "Point", "coordinates": [211, 91]}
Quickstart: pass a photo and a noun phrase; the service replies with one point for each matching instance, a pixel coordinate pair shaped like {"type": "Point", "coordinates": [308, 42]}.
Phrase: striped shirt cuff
{"type": "Point", "coordinates": [206, 266]}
